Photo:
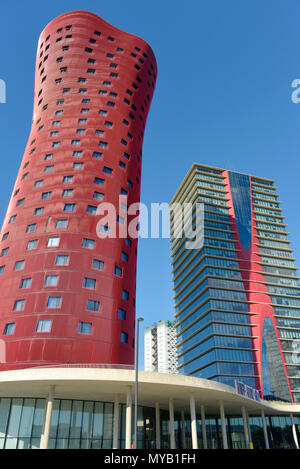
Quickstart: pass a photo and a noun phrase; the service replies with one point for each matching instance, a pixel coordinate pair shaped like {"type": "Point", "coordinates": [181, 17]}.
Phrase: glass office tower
{"type": "Point", "coordinates": [237, 303]}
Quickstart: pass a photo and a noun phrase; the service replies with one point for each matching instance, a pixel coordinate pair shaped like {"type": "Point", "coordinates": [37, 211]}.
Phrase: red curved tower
{"type": "Point", "coordinates": [66, 295]}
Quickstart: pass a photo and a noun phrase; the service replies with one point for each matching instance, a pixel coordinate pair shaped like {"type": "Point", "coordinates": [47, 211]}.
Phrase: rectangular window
{"type": "Point", "coordinates": [98, 195]}
{"type": "Point", "coordinates": [46, 195]}
{"type": "Point", "coordinates": [99, 181]}
{"type": "Point", "coordinates": [43, 325]}
{"type": "Point", "coordinates": [124, 256]}
{"type": "Point", "coordinates": [5, 236]}
{"type": "Point", "coordinates": [107, 170]}
{"type": "Point", "coordinates": [4, 252]}
{"type": "Point", "coordinates": [91, 209]}
{"type": "Point", "coordinates": [9, 328]}
{"type": "Point", "coordinates": [124, 337]}
{"type": "Point", "coordinates": [19, 265]}
{"type": "Point", "coordinates": [77, 153]}
{"type": "Point", "coordinates": [97, 264]}
{"type": "Point", "coordinates": [61, 224]}
{"type": "Point", "coordinates": [67, 192]}
{"type": "Point", "coordinates": [38, 211]}
{"type": "Point", "coordinates": [53, 241]}
{"type": "Point", "coordinates": [62, 260]}
{"type": "Point", "coordinates": [25, 282]}
{"type": "Point", "coordinates": [93, 305]}
{"type": "Point", "coordinates": [121, 313]}
{"type": "Point", "coordinates": [97, 154]}
{"type": "Point", "coordinates": [51, 280]}
{"type": "Point", "coordinates": [2, 268]}
{"type": "Point", "coordinates": [20, 202]}
{"type": "Point", "coordinates": [48, 169]}
{"type": "Point", "coordinates": [88, 243]}
{"type": "Point", "coordinates": [19, 305]}
{"type": "Point", "coordinates": [84, 327]}
{"type": "Point", "coordinates": [125, 295]}
{"type": "Point", "coordinates": [118, 271]}
{"type": "Point", "coordinates": [68, 179]}
{"type": "Point", "coordinates": [31, 228]}
{"type": "Point", "coordinates": [54, 302]}
{"type": "Point", "coordinates": [77, 165]}
{"type": "Point", "coordinates": [32, 244]}
{"type": "Point", "coordinates": [38, 183]}
{"type": "Point", "coordinates": [89, 283]}
{"type": "Point", "coordinates": [69, 207]}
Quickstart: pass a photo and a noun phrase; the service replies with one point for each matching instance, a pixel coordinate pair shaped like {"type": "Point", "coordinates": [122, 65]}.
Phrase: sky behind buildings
{"type": "Point", "coordinates": [223, 98]}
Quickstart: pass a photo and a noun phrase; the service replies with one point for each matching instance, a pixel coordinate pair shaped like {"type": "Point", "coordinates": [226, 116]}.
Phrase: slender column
{"type": "Point", "coordinates": [128, 419]}
{"type": "Point", "coordinates": [171, 417]}
{"type": "Point", "coordinates": [47, 419]}
{"type": "Point", "coordinates": [116, 422]}
{"type": "Point", "coordinates": [249, 432]}
{"type": "Point", "coordinates": [294, 431]}
{"type": "Point", "coordinates": [223, 422]}
{"type": "Point", "coordinates": [183, 440]}
{"type": "Point", "coordinates": [265, 430]}
{"type": "Point", "coordinates": [204, 437]}
{"type": "Point", "coordinates": [245, 427]}
{"type": "Point", "coordinates": [193, 422]}
{"type": "Point", "coordinates": [157, 425]}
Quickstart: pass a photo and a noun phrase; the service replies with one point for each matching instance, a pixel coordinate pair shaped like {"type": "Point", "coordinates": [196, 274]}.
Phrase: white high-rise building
{"type": "Point", "coordinates": [160, 348]}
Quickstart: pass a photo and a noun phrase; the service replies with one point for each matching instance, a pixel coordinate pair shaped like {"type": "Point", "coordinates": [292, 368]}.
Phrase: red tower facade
{"type": "Point", "coordinates": [66, 294]}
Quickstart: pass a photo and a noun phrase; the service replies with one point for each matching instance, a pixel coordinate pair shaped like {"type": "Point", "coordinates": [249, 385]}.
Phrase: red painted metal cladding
{"type": "Point", "coordinates": [93, 88]}
{"type": "Point", "coordinates": [258, 296]}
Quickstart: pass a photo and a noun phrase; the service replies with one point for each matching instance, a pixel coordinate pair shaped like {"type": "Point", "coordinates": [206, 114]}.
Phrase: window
{"type": "Point", "coordinates": [90, 70]}
{"type": "Point", "coordinates": [93, 305]}
{"type": "Point", "coordinates": [82, 90]}
{"type": "Point", "coordinates": [48, 156]}
{"type": "Point", "coordinates": [46, 195]}
{"type": "Point", "coordinates": [84, 327]}
{"type": "Point", "coordinates": [5, 236]}
{"type": "Point", "coordinates": [129, 183]}
{"type": "Point", "coordinates": [51, 280]}
{"type": "Point", "coordinates": [19, 265]}
{"type": "Point", "coordinates": [125, 295]}
{"type": "Point", "coordinates": [75, 142]}
{"type": "Point", "coordinates": [89, 283]}
{"type": "Point", "coordinates": [98, 195]}
{"type": "Point", "coordinates": [88, 243]}
{"type": "Point", "coordinates": [54, 133]}
{"type": "Point", "coordinates": [53, 241]}
{"type": "Point", "coordinates": [80, 131]}
{"type": "Point", "coordinates": [20, 202]}
{"type": "Point", "coordinates": [31, 228]}
{"type": "Point", "coordinates": [81, 80]}
{"type": "Point", "coordinates": [97, 264]}
{"type": "Point", "coordinates": [102, 112]}
{"type": "Point", "coordinates": [107, 170]}
{"type": "Point", "coordinates": [19, 305]}
{"type": "Point", "coordinates": [32, 244]}
{"type": "Point", "coordinates": [25, 282]}
{"type": "Point", "coordinates": [38, 211]}
{"type": "Point", "coordinates": [84, 111]}
{"type": "Point", "coordinates": [99, 181]}
{"type": "Point", "coordinates": [2, 268]}
{"type": "Point", "coordinates": [77, 153]}
{"type": "Point", "coordinates": [99, 132]}
{"type": "Point", "coordinates": [118, 271]}
{"type": "Point", "coordinates": [12, 218]}
{"type": "Point", "coordinates": [62, 260]}
{"type": "Point", "coordinates": [108, 123]}
{"type": "Point", "coordinates": [121, 313]}
{"type": "Point", "coordinates": [91, 209]}
{"type": "Point", "coordinates": [77, 165]}
{"type": "Point", "coordinates": [124, 337]}
{"type": "Point", "coordinates": [82, 121]}
{"type": "Point", "coordinates": [9, 328]}
{"type": "Point", "coordinates": [69, 207]}
{"type": "Point", "coordinates": [124, 256]}
{"type": "Point", "coordinates": [67, 192]}
{"type": "Point", "coordinates": [43, 325]}
{"type": "Point", "coordinates": [68, 179]}
{"type": "Point", "coordinates": [48, 169]}
{"type": "Point", "coordinates": [61, 224]}
{"type": "Point", "coordinates": [122, 165]}
{"type": "Point", "coordinates": [97, 154]}
{"type": "Point", "coordinates": [38, 183]}
{"type": "Point", "coordinates": [4, 252]}
{"type": "Point", "coordinates": [102, 144]}
{"type": "Point", "coordinates": [54, 302]}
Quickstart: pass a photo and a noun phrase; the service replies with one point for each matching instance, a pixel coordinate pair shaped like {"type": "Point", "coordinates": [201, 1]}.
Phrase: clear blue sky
{"type": "Point", "coordinates": [223, 98]}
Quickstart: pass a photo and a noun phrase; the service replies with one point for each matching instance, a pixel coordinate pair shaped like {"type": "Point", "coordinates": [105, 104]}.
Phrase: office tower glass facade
{"type": "Point", "coordinates": [237, 292]}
